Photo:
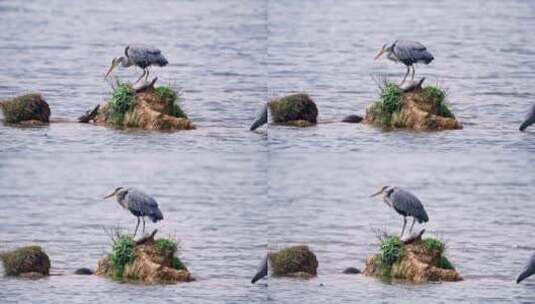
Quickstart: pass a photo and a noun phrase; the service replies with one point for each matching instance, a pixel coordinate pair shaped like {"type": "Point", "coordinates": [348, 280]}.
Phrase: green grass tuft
{"type": "Point", "coordinates": [122, 101]}
{"type": "Point", "coordinates": [177, 264]}
{"type": "Point", "coordinates": [390, 102]}
{"type": "Point", "coordinates": [165, 246]}
{"type": "Point", "coordinates": [122, 254]}
{"type": "Point", "coordinates": [444, 263]}
{"type": "Point", "coordinates": [167, 94]}
{"type": "Point", "coordinates": [432, 245]}
{"type": "Point", "coordinates": [390, 252]}
{"type": "Point", "coordinates": [438, 97]}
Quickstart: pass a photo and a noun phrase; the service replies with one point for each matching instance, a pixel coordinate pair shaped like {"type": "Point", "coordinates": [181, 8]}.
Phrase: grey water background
{"type": "Point", "coordinates": [227, 193]}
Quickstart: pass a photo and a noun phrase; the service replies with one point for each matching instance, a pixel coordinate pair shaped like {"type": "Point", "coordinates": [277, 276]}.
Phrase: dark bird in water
{"type": "Point", "coordinates": [262, 270]}
{"type": "Point", "coordinates": [261, 118]}
{"type": "Point", "coordinates": [405, 204]}
{"type": "Point", "coordinates": [528, 270]}
{"type": "Point", "coordinates": [139, 204]}
{"type": "Point", "coordinates": [142, 56]}
{"type": "Point", "coordinates": [407, 53]}
{"type": "Point", "coordinates": [530, 119]}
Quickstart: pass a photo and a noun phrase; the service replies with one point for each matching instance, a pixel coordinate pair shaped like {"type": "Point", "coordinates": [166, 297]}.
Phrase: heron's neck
{"type": "Point", "coordinates": [392, 56]}
{"type": "Point", "coordinates": [125, 61]}
{"type": "Point", "coordinates": [120, 198]}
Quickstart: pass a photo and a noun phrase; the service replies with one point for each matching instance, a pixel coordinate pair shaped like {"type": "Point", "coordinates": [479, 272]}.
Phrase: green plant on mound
{"type": "Point", "coordinates": [390, 102]}
{"type": "Point", "coordinates": [123, 253]}
{"type": "Point", "coordinates": [167, 94]}
{"type": "Point", "coordinates": [438, 97]}
{"type": "Point", "coordinates": [432, 245]}
{"type": "Point", "coordinates": [165, 246]}
{"type": "Point", "coordinates": [177, 264]}
{"type": "Point", "coordinates": [122, 100]}
{"type": "Point", "coordinates": [390, 252]}
{"type": "Point", "coordinates": [436, 246]}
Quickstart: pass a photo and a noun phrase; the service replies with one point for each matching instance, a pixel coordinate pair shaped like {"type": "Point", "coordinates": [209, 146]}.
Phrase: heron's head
{"type": "Point", "coordinates": [383, 189]}
{"type": "Point", "coordinates": [384, 49]}
{"type": "Point", "coordinates": [114, 64]}
{"type": "Point", "coordinates": [114, 193]}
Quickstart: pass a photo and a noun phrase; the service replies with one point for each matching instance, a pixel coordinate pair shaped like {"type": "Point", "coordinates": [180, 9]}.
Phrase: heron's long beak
{"type": "Point", "coordinates": [380, 53]}
{"type": "Point", "coordinates": [111, 194]}
{"type": "Point", "coordinates": [113, 66]}
{"type": "Point", "coordinates": [375, 194]}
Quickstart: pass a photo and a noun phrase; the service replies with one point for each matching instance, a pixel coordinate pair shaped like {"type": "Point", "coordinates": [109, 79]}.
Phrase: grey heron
{"type": "Point", "coordinates": [530, 119]}
{"type": "Point", "coordinates": [404, 203]}
{"type": "Point", "coordinates": [142, 56]}
{"type": "Point", "coordinates": [528, 270]}
{"type": "Point", "coordinates": [406, 52]}
{"type": "Point", "coordinates": [262, 270]}
{"type": "Point", "coordinates": [138, 203]}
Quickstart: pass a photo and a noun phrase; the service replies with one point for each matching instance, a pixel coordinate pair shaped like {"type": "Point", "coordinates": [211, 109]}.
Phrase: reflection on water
{"type": "Point", "coordinates": [227, 192]}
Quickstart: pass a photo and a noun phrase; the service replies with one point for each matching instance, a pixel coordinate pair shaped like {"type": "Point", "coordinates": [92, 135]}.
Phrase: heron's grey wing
{"type": "Point", "coordinates": [143, 204]}
{"type": "Point", "coordinates": [145, 55]}
{"type": "Point", "coordinates": [410, 204]}
{"type": "Point", "coordinates": [410, 52]}
{"type": "Point", "coordinates": [528, 270]}
{"type": "Point", "coordinates": [262, 270]}
{"type": "Point", "coordinates": [530, 119]}
{"type": "Point", "coordinates": [261, 118]}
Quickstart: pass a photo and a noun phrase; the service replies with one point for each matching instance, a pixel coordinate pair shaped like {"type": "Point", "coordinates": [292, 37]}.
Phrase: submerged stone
{"type": "Point", "coordinates": [147, 260]}
{"type": "Point", "coordinates": [83, 271]}
{"type": "Point", "coordinates": [351, 270]}
{"type": "Point", "coordinates": [29, 261]}
{"type": "Point", "coordinates": [29, 109]}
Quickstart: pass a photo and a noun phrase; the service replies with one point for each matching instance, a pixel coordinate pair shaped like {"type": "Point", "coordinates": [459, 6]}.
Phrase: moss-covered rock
{"type": "Point", "coordinates": [151, 109]}
{"type": "Point", "coordinates": [418, 109]}
{"type": "Point", "coordinates": [297, 110]}
{"type": "Point", "coordinates": [297, 261]}
{"type": "Point", "coordinates": [149, 261]}
{"type": "Point", "coordinates": [29, 261]}
{"type": "Point", "coordinates": [29, 108]}
{"type": "Point", "coordinates": [417, 261]}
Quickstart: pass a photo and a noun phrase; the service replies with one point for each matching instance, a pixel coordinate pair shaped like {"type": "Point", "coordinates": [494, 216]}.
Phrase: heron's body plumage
{"type": "Point", "coordinates": [144, 56]}
{"type": "Point", "coordinates": [530, 119]}
{"type": "Point", "coordinates": [528, 270]}
{"type": "Point", "coordinates": [262, 270]}
{"type": "Point", "coordinates": [410, 52]}
{"type": "Point", "coordinates": [406, 204]}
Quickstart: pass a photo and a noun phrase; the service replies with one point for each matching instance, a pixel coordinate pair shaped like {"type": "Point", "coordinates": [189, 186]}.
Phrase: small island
{"type": "Point", "coordinates": [148, 108]}
{"type": "Point", "coordinates": [411, 107]}
{"type": "Point", "coordinates": [147, 260]}
{"type": "Point", "coordinates": [414, 260]}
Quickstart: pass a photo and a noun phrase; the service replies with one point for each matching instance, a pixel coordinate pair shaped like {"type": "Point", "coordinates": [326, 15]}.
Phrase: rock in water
{"type": "Point", "coordinates": [297, 110]}
{"type": "Point", "coordinates": [152, 261]}
{"type": "Point", "coordinates": [296, 261]}
{"type": "Point", "coordinates": [148, 109]}
{"type": "Point", "coordinates": [26, 262]}
{"type": "Point", "coordinates": [418, 261]}
{"type": "Point", "coordinates": [351, 270]}
{"type": "Point", "coordinates": [83, 271]}
{"type": "Point", "coordinates": [29, 108]}
{"type": "Point", "coordinates": [352, 119]}
{"type": "Point", "coordinates": [412, 107]}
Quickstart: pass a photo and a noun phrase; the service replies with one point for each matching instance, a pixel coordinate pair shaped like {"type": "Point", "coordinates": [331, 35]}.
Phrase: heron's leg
{"type": "Point", "coordinates": [412, 225]}
{"type": "Point", "coordinates": [413, 72]}
{"type": "Point", "coordinates": [140, 77]}
{"type": "Point", "coordinates": [403, 229]}
{"type": "Point", "coordinates": [137, 226]}
{"type": "Point", "coordinates": [406, 74]}
{"type": "Point", "coordinates": [147, 75]}
{"type": "Point", "coordinates": [143, 218]}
